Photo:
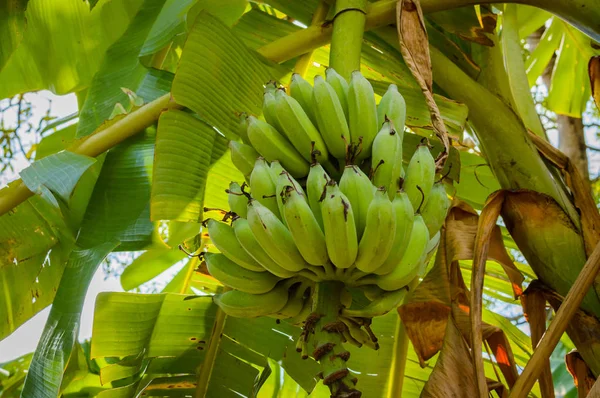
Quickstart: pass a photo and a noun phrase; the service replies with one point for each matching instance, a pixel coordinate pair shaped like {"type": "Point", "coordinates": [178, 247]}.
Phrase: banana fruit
{"type": "Point", "coordinates": [231, 274]}
{"type": "Point", "coordinates": [247, 305]}
{"type": "Point", "coordinates": [331, 119]}
{"type": "Point", "coordinates": [435, 211]}
{"type": "Point", "coordinates": [357, 187]}
{"type": "Point", "coordinates": [386, 161]}
{"type": "Point", "coordinates": [339, 228]}
{"type": "Point", "coordinates": [392, 107]}
{"type": "Point", "coordinates": [302, 91]}
{"type": "Point", "coordinates": [420, 175]}
{"type": "Point", "coordinates": [304, 227]}
{"type": "Point", "coordinates": [273, 146]}
{"type": "Point", "coordinates": [223, 237]}
{"type": "Point", "coordinates": [362, 113]}
{"type": "Point", "coordinates": [243, 157]}
{"type": "Point", "coordinates": [380, 231]}
{"type": "Point", "coordinates": [238, 202]}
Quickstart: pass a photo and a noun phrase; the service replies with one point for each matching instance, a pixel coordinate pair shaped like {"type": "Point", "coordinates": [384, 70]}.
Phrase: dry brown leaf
{"type": "Point", "coordinates": [461, 241]}
{"type": "Point", "coordinates": [594, 72]}
{"type": "Point", "coordinates": [584, 329]}
{"type": "Point", "coordinates": [534, 308]}
{"type": "Point", "coordinates": [582, 375]}
{"type": "Point", "coordinates": [425, 315]}
{"type": "Point", "coordinates": [595, 391]}
{"type": "Point", "coordinates": [414, 46]}
{"type": "Point", "coordinates": [485, 227]}
{"type": "Point", "coordinates": [453, 374]}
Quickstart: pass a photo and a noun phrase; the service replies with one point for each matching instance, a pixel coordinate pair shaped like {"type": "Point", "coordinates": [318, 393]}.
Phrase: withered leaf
{"type": "Point", "coordinates": [594, 72]}
{"type": "Point", "coordinates": [453, 374]}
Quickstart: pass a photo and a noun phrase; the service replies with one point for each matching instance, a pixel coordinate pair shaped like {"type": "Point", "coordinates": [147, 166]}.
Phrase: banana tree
{"type": "Point", "coordinates": [161, 85]}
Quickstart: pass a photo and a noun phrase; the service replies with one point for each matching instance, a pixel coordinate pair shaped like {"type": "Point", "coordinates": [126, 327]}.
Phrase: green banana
{"type": "Point", "coordinates": [340, 85]}
{"type": "Point", "coordinates": [273, 146]}
{"type": "Point", "coordinates": [339, 227]}
{"type": "Point", "coordinates": [244, 234]}
{"type": "Point", "coordinates": [283, 180]}
{"type": "Point", "coordinates": [263, 185]}
{"type": "Point", "coordinates": [298, 128]}
{"type": "Point", "coordinates": [405, 216]}
{"type": "Point", "coordinates": [295, 302]}
{"type": "Point", "coordinates": [386, 159]}
{"type": "Point", "coordinates": [435, 211]}
{"type": "Point", "coordinates": [358, 189]}
{"type": "Point", "coordinates": [392, 106]}
{"type": "Point", "coordinates": [274, 237]}
{"type": "Point", "coordinates": [358, 334]}
{"type": "Point", "coordinates": [380, 231]}
{"type": "Point", "coordinates": [302, 91]}
{"type": "Point", "coordinates": [223, 237]}
{"type": "Point", "coordinates": [420, 173]}
{"type": "Point", "coordinates": [303, 314]}
{"type": "Point", "coordinates": [330, 118]}
{"type": "Point", "coordinates": [269, 111]}
{"type": "Point", "coordinates": [243, 157]}
{"type": "Point", "coordinates": [380, 306]}
{"type": "Point", "coordinates": [410, 264]}
{"type": "Point", "coordinates": [362, 113]}
{"type": "Point", "coordinates": [243, 128]}
{"type": "Point", "coordinates": [315, 186]}
{"type": "Point", "coordinates": [372, 292]}
{"type": "Point", "coordinates": [304, 228]}
{"type": "Point", "coordinates": [231, 274]}
{"type": "Point", "coordinates": [245, 305]}
{"type": "Point", "coordinates": [238, 202]}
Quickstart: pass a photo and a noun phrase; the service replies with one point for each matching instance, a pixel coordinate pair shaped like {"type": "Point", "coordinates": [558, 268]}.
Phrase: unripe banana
{"type": "Point", "coordinates": [298, 128]}
{"type": "Point", "coordinates": [339, 227]}
{"type": "Point", "coordinates": [372, 292]}
{"type": "Point", "coordinates": [244, 234]}
{"type": "Point", "coordinates": [274, 237]}
{"type": "Point", "coordinates": [405, 216]}
{"type": "Point", "coordinates": [330, 118]}
{"type": "Point", "coordinates": [273, 146]}
{"type": "Point", "coordinates": [435, 211]}
{"type": "Point", "coordinates": [362, 113]}
{"type": "Point", "coordinates": [269, 111]}
{"type": "Point", "coordinates": [358, 189]}
{"type": "Point", "coordinates": [264, 186]}
{"type": "Point", "coordinates": [392, 106]}
{"type": "Point", "coordinates": [409, 266]}
{"type": "Point", "coordinates": [243, 128]}
{"type": "Point", "coordinates": [315, 186]}
{"type": "Point", "coordinates": [238, 202]}
{"type": "Point", "coordinates": [243, 157]}
{"type": "Point", "coordinates": [231, 274]}
{"type": "Point", "coordinates": [302, 91]}
{"type": "Point", "coordinates": [382, 305]}
{"type": "Point", "coordinates": [245, 305]}
{"type": "Point", "coordinates": [380, 231]}
{"type": "Point", "coordinates": [223, 237]}
{"type": "Point", "coordinates": [386, 159]}
{"type": "Point", "coordinates": [359, 334]}
{"type": "Point", "coordinates": [295, 302]}
{"type": "Point", "coordinates": [420, 173]}
{"type": "Point", "coordinates": [300, 319]}
{"type": "Point", "coordinates": [283, 180]}
{"type": "Point", "coordinates": [340, 85]}
{"type": "Point", "coordinates": [304, 228]}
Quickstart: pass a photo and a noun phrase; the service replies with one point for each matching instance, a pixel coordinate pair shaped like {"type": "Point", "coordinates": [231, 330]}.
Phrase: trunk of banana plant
{"type": "Point", "coordinates": [555, 250]}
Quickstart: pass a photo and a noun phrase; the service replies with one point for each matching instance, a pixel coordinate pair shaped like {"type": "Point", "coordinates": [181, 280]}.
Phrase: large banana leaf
{"type": "Point", "coordinates": [63, 45]}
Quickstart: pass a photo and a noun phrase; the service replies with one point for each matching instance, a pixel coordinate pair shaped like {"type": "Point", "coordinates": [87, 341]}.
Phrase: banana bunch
{"type": "Point", "coordinates": [327, 199]}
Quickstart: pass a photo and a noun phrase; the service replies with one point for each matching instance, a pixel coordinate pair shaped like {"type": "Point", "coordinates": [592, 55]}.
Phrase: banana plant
{"type": "Point", "coordinates": [160, 87]}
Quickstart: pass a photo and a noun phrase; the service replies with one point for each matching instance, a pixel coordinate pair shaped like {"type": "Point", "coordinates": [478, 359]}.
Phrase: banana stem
{"type": "Point", "coordinates": [304, 61]}
{"type": "Point", "coordinates": [326, 332]}
{"type": "Point", "coordinates": [346, 39]}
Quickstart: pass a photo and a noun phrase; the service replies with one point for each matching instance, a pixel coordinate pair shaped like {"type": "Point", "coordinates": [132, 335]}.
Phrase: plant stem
{"type": "Point", "coordinates": [327, 339]}
{"type": "Point", "coordinates": [346, 39]}
{"type": "Point", "coordinates": [304, 61]}
{"type": "Point", "coordinates": [96, 143]}
{"type": "Point", "coordinates": [211, 354]}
